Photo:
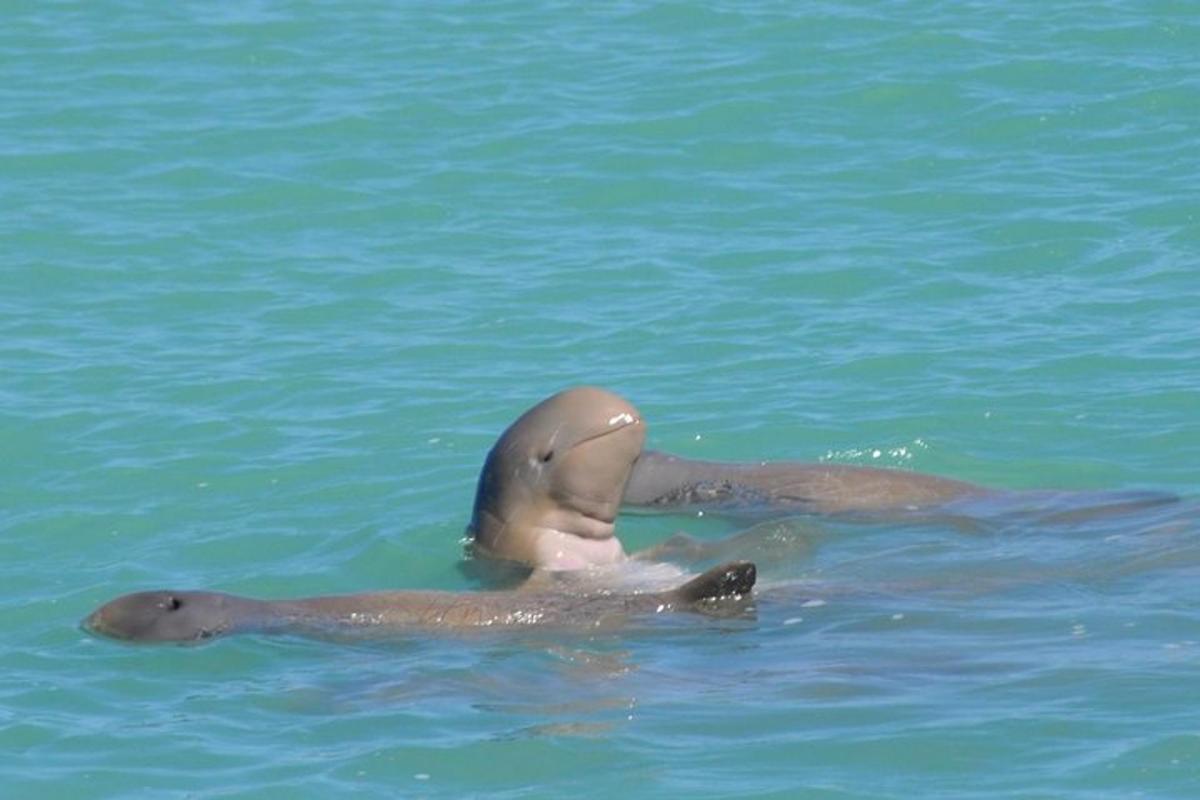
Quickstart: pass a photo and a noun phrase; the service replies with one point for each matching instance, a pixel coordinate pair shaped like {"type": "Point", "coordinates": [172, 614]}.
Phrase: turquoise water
{"type": "Point", "coordinates": [276, 275]}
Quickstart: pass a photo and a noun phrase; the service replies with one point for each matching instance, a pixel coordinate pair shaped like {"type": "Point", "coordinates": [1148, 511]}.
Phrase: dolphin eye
{"type": "Point", "coordinates": [546, 457]}
{"type": "Point", "coordinates": [173, 603]}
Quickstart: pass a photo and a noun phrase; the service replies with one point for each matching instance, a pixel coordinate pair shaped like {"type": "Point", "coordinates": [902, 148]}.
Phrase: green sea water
{"type": "Point", "coordinates": [275, 275]}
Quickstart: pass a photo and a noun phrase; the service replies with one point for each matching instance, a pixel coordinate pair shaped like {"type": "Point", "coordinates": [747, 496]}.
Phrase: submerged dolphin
{"type": "Point", "coordinates": [190, 616]}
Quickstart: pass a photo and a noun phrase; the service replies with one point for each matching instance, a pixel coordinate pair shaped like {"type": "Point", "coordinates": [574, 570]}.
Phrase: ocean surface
{"type": "Point", "coordinates": [275, 275]}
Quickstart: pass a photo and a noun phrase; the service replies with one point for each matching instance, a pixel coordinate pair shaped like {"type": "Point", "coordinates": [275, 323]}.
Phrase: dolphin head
{"type": "Point", "coordinates": [551, 486]}
{"type": "Point", "coordinates": [164, 616]}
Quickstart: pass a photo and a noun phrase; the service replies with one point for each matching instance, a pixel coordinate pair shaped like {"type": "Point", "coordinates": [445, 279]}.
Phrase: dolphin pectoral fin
{"type": "Point", "coordinates": [734, 579]}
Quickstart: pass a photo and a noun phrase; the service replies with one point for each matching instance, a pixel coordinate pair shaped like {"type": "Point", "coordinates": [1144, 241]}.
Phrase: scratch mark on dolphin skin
{"type": "Point", "coordinates": [554, 436]}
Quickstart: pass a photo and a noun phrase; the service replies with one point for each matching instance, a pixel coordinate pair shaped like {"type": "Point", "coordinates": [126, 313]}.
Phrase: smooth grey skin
{"type": "Point", "coordinates": [551, 487]}
{"type": "Point", "coordinates": [195, 616]}
{"type": "Point", "coordinates": [664, 481]}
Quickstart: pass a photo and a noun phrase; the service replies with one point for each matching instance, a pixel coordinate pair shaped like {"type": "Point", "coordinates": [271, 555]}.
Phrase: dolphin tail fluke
{"type": "Point", "coordinates": [734, 579]}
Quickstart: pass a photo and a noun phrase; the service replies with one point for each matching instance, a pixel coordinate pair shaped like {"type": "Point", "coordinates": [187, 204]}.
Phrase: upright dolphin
{"type": "Point", "coordinates": [191, 616]}
{"type": "Point", "coordinates": [551, 487]}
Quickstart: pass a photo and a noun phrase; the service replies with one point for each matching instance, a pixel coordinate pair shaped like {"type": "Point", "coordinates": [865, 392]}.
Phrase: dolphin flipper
{"type": "Point", "coordinates": [734, 579]}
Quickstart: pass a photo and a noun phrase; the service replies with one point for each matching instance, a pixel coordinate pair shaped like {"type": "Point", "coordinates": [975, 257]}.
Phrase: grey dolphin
{"type": "Point", "coordinates": [552, 485]}
{"type": "Point", "coordinates": [536, 507]}
{"type": "Point", "coordinates": [193, 616]}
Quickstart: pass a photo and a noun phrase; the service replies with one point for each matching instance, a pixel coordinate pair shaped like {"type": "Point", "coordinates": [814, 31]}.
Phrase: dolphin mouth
{"type": "Point", "coordinates": [96, 624]}
{"type": "Point", "coordinates": [618, 422]}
